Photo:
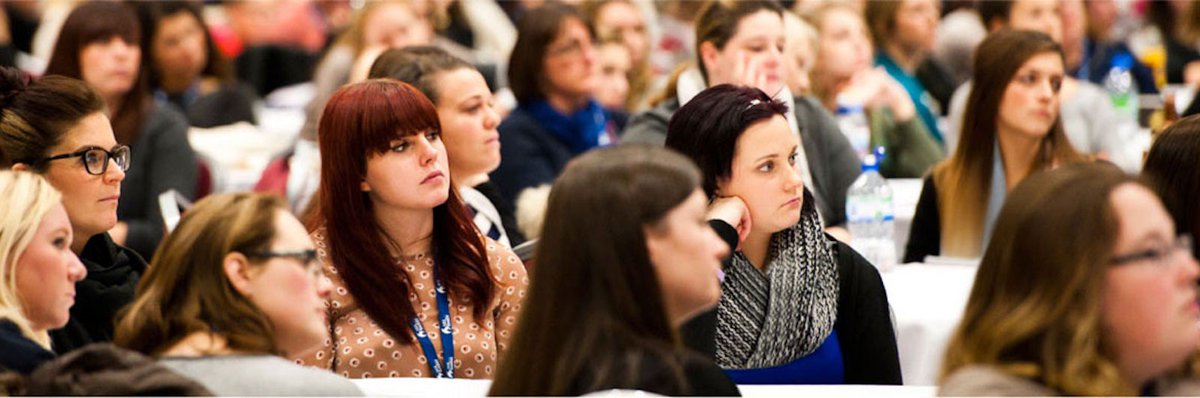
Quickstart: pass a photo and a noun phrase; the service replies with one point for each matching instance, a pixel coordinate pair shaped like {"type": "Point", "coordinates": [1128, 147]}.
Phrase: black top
{"type": "Point", "coordinates": [162, 160]}
{"type": "Point", "coordinates": [18, 353]}
{"type": "Point", "coordinates": [529, 155]}
{"type": "Point", "coordinates": [925, 233]}
{"type": "Point", "coordinates": [652, 374]}
{"type": "Point", "coordinates": [112, 275]}
{"type": "Point", "coordinates": [230, 103]}
{"type": "Point", "coordinates": [506, 210]}
{"type": "Point", "coordinates": [864, 326]}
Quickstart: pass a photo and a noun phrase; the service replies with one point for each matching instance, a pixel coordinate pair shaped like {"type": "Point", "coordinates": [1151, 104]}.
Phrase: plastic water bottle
{"type": "Point", "coordinates": [1121, 86]}
{"type": "Point", "coordinates": [870, 216]}
{"type": "Point", "coordinates": [852, 120]}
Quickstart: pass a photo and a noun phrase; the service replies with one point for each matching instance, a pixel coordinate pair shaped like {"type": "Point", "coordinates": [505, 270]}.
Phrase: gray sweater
{"type": "Point", "coordinates": [981, 380]}
{"type": "Point", "coordinates": [162, 160]}
{"type": "Point", "coordinates": [831, 159]}
{"type": "Point", "coordinates": [260, 375]}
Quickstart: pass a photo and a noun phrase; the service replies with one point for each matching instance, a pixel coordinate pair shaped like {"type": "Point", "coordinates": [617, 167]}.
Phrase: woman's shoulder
{"type": "Point", "coordinates": [257, 374]}
{"type": "Point", "coordinates": [164, 119]}
{"type": "Point", "coordinates": [20, 353]}
{"type": "Point", "coordinates": [979, 380]}
{"type": "Point", "coordinates": [507, 268]}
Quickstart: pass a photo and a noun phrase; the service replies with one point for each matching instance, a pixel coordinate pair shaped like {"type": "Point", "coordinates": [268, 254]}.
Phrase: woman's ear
{"type": "Point", "coordinates": [722, 184]}
{"type": "Point", "coordinates": [21, 167]}
{"type": "Point", "coordinates": [708, 57]}
{"type": "Point", "coordinates": [237, 270]}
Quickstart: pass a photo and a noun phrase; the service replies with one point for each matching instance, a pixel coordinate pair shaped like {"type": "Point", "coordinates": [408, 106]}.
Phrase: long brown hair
{"type": "Point", "coordinates": [88, 24]}
{"type": "Point", "coordinates": [185, 290]}
{"type": "Point", "coordinates": [361, 120]}
{"type": "Point", "coordinates": [965, 179]}
{"type": "Point", "coordinates": [595, 308]}
{"type": "Point", "coordinates": [1035, 309]}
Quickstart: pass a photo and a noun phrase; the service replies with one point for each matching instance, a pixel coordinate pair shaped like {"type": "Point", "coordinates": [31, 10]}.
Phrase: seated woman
{"type": "Point", "coordinates": [38, 271]}
{"type": "Point", "coordinates": [797, 306]}
{"type": "Point", "coordinates": [56, 127]}
{"type": "Point", "coordinates": [626, 258]}
{"type": "Point", "coordinates": [186, 70]}
{"type": "Point", "coordinates": [416, 285]}
{"type": "Point", "coordinates": [1012, 129]}
{"type": "Point", "coordinates": [553, 74]}
{"type": "Point", "coordinates": [842, 76]}
{"type": "Point", "coordinates": [100, 44]}
{"type": "Point", "coordinates": [235, 286]}
{"type": "Point", "coordinates": [468, 115]}
{"type": "Point", "coordinates": [1085, 289]}
{"type": "Point", "coordinates": [1171, 172]}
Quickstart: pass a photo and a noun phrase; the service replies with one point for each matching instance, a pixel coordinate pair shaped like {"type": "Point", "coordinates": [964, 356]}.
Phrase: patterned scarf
{"type": "Point", "coordinates": [772, 317]}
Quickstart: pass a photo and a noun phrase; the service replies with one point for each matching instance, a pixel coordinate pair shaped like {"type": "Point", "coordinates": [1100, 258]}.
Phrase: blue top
{"type": "Point", "coordinates": [920, 98]}
{"type": "Point", "coordinates": [19, 353]}
{"type": "Point", "coordinates": [823, 366]}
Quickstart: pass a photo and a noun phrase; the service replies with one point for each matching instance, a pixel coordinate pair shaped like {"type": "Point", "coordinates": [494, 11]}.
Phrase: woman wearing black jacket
{"type": "Point", "coordinates": [797, 306]}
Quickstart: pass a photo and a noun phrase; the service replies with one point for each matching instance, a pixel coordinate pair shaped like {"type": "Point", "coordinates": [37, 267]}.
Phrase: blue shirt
{"type": "Point", "coordinates": [920, 98]}
{"type": "Point", "coordinates": [823, 366]}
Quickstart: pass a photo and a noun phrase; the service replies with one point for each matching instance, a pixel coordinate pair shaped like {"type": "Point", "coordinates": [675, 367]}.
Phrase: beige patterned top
{"type": "Point", "coordinates": [358, 348]}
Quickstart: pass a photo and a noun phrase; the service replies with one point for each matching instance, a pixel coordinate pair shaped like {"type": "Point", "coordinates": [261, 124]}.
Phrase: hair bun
{"type": "Point", "coordinates": [13, 82]}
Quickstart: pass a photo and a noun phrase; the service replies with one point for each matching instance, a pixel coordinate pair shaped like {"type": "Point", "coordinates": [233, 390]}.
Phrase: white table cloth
{"type": "Point", "coordinates": [427, 387]}
{"type": "Point", "coordinates": [927, 302]}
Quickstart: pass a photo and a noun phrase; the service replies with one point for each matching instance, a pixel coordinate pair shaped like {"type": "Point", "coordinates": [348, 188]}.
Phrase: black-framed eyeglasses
{"type": "Point", "coordinates": [95, 159]}
{"type": "Point", "coordinates": [306, 257]}
{"type": "Point", "coordinates": [1159, 255]}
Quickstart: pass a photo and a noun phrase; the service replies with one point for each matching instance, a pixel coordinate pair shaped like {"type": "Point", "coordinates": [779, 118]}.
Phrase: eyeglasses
{"type": "Point", "coordinates": [95, 159]}
{"type": "Point", "coordinates": [573, 47]}
{"type": "Point", "coordinates": [1159, 255]}
{"type": "Point", "coordinates": [306, 257]}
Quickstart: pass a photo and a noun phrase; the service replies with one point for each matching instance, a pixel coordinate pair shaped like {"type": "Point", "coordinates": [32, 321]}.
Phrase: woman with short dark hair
{"type": "Point", "coordinates": [1171, 172]}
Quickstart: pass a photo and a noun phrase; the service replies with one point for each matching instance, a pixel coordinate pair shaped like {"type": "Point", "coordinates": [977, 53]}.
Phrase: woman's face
{"type": "Point", "coordinates": [763, 174]}
{"type": "Point", "coordinates": [1037, 15]}
{"type": "Point", "coordinates": [686, 254]}
{"type": "Point", "coordinates": [180, 47]}
{"type": "Point", "coordinates": [90, 200]}
{"type": "Point", "coordinates": [1150, 316]}
{"type": "Point", "coordinates": [614, 71]}
{"type": "Point", "coordinates": [752, 56]}
{"type": "Point", "coordinates": [46, 273]}
{"type": "Point", "coordinates": [469, 119]}
{"type": "Point", "coordinates": [110, 66]}
{"type": "Point", "coordinates": [570, 62]}
{"type": "Point", "coordinates": [291, 291]}
{"type": "Point", "coordinates": [396, 25]}
{"type": "Point", "coordinates": [412, 175]}
{"type": "Point", "coordinates": [1029, 106]}
{"type": "Point", "coordinates": [916, 25]}
{"type": "Point", "coordinates": [623, 21]}
{"type": "Point", "coordinates": [845, 46]}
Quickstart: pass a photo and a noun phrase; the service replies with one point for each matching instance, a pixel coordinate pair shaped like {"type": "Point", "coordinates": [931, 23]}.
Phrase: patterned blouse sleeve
{"type": "Point", "coordinates": [512, 282]}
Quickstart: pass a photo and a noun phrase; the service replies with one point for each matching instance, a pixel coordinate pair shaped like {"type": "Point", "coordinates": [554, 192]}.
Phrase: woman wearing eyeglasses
{"type": "Point", "coordinates": [56, 127]}
{"type": "Point", "coordinates": [1084, 289]}
{"type": "Point", "coordinates": [235, 289]}
{"type": "Point", "coordinates": [99, 44]}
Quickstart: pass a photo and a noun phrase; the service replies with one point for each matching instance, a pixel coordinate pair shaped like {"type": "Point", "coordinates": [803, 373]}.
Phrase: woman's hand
{"type": "Point", "coordinates": [875, 89]}
{"type": "Point", "coordinates": [733, 211]}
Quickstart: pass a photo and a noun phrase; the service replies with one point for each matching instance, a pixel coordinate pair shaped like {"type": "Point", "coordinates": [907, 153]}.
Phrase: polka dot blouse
{"type": "Point", "coordinates": [359, 348]}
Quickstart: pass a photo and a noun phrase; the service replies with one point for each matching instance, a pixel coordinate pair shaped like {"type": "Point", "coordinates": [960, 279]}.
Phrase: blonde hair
{"type": "Point", "coordinates": [25, 199]}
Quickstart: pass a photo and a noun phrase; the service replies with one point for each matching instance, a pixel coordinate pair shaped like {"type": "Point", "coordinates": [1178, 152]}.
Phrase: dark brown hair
{"type": "Point", "coordinates": [35, 115]}
{"type": "Point", "coordinates": [151, 14]}
{"type": "Point", "coordinates": [595, 308]}
{"type": "Point", "coordinates": [535, 31]}
{"type": "Point", "coordinates": [718, 22]}
{"type": "Point", "coordinates": [1173, 170]}
{"type": "Point", "coordinates": [361, 120]}
{"type": "Point", "coordinates": [418, 66]}
{"type": "Point", "coordinates": [881, 19]}
{"type": "Point", "coordinates": [93, 22]}
{"type": "Point", "coordinates": [185, 289]}
{"type": "Point", "coordinates": [707, 128]}
{"type": "Point", "coordinates": [966, 177]}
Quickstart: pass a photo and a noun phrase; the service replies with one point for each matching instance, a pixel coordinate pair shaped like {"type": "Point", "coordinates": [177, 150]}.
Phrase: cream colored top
{"type": "Point", "coordinates": [359, 348]}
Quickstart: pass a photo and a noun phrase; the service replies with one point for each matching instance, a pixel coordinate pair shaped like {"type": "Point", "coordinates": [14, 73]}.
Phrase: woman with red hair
{"type": "Point", "coordinates": [418, 291]}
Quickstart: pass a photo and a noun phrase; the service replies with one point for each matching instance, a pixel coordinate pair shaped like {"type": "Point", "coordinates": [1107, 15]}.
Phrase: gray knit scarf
{"type": "Point", "coordinates": [772, 317]}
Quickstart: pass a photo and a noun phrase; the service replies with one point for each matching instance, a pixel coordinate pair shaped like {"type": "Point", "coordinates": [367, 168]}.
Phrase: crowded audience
{"type": "Point", "coordinates": [566, 197]}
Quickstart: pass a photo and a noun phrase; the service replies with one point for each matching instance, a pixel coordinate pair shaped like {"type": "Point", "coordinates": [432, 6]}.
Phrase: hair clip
{"type": "Point", "coordinates": [753, 102]}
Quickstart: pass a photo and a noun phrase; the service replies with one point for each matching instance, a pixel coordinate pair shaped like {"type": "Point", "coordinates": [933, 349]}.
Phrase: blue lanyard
{"type": "Point", "coordinates": [447, 334]}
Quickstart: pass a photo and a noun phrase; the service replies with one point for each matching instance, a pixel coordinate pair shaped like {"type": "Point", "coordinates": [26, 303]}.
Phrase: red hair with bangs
{"type": "Point", "coordinates": [361, 120]}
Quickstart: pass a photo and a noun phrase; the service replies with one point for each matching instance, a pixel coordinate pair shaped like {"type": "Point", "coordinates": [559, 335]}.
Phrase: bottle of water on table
{"type": "Point", "coordinates": [870, 216]}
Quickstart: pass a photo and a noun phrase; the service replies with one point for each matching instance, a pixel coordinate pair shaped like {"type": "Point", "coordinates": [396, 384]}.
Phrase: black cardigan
{"type": "Point", "coordinates": [654, 376]}
{"type": "Point", "coordinates": [17, 352]}
{"type": "Point", "coordinates": [113, 274]}
{"type": "Point", "coordinates": [864, 326]}
{"type": "Point", "coordinates": [925, 233]}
